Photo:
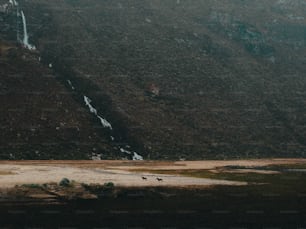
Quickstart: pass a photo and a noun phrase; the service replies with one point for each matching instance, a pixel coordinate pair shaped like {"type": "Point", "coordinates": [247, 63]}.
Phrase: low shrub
{"type": "Point", "coordinates": [65, 182]}
{"type": "Point", "coordinates": [109, 185]}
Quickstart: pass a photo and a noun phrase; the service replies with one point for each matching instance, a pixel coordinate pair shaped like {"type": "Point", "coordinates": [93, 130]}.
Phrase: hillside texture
{"type": "Point", "coordinates": [175, 79]}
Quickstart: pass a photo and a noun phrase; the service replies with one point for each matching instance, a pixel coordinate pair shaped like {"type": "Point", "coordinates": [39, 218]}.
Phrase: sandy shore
{"type": "Point", "coordinates": [122, 173]}
{"type": "Point", "coordinates": [37, 174]}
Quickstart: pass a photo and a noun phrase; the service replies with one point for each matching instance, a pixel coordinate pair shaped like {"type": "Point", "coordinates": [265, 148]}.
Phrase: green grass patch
{"type": "Point", "coordinates": [31, 186]}
{"type": "Point", "coordinates": [283, 182]}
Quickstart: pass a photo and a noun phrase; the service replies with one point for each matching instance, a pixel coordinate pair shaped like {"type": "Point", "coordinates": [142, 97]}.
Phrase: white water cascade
{"type": "Point", "coordinates": [13, 2]}
{"type": "Point", "coordinates": [135, 156]}
{"type": "Point", "coordinates": [25, 34]}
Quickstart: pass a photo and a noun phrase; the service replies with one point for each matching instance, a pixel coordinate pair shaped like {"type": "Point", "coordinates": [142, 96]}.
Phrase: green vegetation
{"type": "Point", "coordinates": [31, 185]}
{"type": "Point", "coordinates": [65, 182]}
{"type": "Point", "coordinates": [285, 182]}
{"type": "Point", "coordinates": [286, 166]}
{"type": "Point", "coordinates": [109, 185]}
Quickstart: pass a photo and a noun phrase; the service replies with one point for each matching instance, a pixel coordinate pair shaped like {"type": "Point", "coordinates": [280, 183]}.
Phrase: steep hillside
{"type": "Point", "coordinates": [178, 78]}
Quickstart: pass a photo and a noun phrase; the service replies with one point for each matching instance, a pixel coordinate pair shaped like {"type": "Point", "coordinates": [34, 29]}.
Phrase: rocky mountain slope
{"type": "Point", "coordinates": [174, 79]}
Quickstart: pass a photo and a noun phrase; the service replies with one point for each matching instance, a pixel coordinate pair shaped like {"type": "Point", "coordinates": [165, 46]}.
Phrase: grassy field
{"type": "Point", "coordinates": [283, 179]}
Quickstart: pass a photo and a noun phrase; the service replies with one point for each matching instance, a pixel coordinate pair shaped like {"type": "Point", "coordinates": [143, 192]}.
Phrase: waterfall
{"type": "Point", "coordinates": [25, 34]}
{"type": "Point", "coordinates": [13, 2]}
{"type": "Point", "coordinates": [103, 121]}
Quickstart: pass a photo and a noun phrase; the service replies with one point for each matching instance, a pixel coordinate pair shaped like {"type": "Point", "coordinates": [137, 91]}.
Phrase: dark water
{"type": "Point", "coordinates": [204, 209]}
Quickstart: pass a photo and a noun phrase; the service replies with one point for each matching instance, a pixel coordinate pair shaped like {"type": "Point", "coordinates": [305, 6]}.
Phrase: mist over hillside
{"type": "Point", "coordinates": [152, 79]}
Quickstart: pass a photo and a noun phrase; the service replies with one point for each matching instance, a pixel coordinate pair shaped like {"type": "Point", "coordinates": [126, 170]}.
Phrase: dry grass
{"type": "Point", "coordinates": [4, 47]}
{"type": "Point", "coordinates": [6, 173]}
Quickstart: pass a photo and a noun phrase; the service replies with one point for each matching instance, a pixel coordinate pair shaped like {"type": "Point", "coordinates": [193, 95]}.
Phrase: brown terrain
{"type": "Point", "coordinates": [173, 82]}
{"type": "Point", "coordinates": [98, 173]}
{"type": "Point", "coordinates": [128, 173]}
{"type": "Point", "coordinates": [152, 194]}
{"type": "Point", "coordinates": [176, 79]}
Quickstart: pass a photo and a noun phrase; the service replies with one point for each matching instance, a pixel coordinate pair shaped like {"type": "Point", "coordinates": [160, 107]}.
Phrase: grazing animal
{"type": "Point", "coordinates": [159, 179]}
{"type": "Point", "coordinates": [144, 178]}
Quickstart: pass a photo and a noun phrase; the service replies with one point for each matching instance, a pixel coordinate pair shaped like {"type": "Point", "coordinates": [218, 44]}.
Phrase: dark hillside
{"type": "Point", "coordinates": [180, 78]}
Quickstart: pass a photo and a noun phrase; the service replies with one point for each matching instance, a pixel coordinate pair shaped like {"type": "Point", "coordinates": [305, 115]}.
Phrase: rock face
{"type": "Point", "coordinates": [230, 76]}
